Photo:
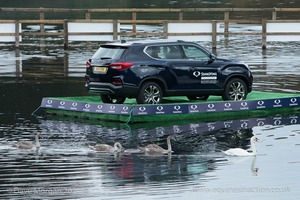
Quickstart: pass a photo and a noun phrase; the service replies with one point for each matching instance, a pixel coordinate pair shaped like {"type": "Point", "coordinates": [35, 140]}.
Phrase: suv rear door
{"type": "Point", "coordinates": [101, 60]}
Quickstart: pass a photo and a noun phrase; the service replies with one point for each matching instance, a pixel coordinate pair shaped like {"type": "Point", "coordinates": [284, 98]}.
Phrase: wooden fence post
{"type": "Point", "coordinates": [165, 33]}
{"type": "Point", "coordinates": [133, 24]}
{"type": "Point", "coordinates": [264, 34]}
{"type": "Point", "coordinates": [115, 29]}
{"type": "Point", "coordinates": [214, 34]}
{"type": "Point", "coordinates": [66, 33]}
{"type": "Point", "coordinates": [274, 14]}
{"type": "Point", "coordinates": [17, 35]}
{"type": "Point", "coordinates": [181, 15]}
{"type": "Point", "coordinates": [42, 17]}
{"type": "Point", "coordinates": [88, 15]}
{"type": "Point", "coordinates": [226, 23]}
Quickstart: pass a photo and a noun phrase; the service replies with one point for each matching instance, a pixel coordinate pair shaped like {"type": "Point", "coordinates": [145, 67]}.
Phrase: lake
{"type": "Point", "coordinates": [66, 168]}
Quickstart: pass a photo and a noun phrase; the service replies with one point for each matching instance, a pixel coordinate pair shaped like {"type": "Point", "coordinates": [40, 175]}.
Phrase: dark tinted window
{"type": "Point", "coordinates": [164, 52]}
{"type": "Point", "coordinates": [108, 52]}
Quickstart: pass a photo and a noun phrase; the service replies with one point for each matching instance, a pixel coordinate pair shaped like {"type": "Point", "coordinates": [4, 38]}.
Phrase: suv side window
{"type": "Point", "coordinates": [164, 52]}
{"type": "Point", "coordinates": [153, 51]}
{"type": "Point", "coordinates": [193, 53]}
{"type": "Point", "coordinates": [172, 52]}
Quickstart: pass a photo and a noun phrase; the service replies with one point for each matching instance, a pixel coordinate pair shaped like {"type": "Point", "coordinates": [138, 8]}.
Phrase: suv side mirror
{"type": "Point", "coordinates": [212, 58]}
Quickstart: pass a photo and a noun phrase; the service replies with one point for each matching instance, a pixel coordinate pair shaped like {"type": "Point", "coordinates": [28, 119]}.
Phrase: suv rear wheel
{"type": "Point", "coordinates": [235, 89]}
{"type": "Point", "coordinates": [112, 99]}
{"type": "Point", "coordinates": [150, 93]}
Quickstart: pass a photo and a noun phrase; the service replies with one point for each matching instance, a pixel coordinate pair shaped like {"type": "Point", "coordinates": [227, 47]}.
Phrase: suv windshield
{"type": "Point", "coordinates": [109, 52]}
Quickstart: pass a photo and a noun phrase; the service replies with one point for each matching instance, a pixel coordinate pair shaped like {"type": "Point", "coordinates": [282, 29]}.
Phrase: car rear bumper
{"type": "Point", "coordinates": [111, 89]}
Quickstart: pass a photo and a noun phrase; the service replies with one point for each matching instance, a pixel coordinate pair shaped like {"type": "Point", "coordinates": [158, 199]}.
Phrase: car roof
{"type": "Point", "coordinates": [145, 42]}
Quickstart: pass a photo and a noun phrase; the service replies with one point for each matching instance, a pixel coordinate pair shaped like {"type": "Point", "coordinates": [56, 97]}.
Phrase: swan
{"type": "Point", "coordinates": [254, 169]}
{"type": "Point", "coordinates": [134, 151]}
{"type": "Point", "coordinates": [155, 149]}
{"type": "Point", "coordinates": [242, 152]}
{"type": "Point", "coordinates": [105, 148]}
{"type": "Point", "coordinates": [28, 144]}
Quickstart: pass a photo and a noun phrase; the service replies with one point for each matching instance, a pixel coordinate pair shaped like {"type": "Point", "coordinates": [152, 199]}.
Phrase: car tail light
{"type": "Point", "coordinates": [88, 64]}
{"type": "Point", "coordinates": [121, 65]}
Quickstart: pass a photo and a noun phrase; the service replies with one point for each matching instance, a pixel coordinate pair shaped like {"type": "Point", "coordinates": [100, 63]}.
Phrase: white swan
{"type": "Point", "coordinates": [155, 149]}
{"type": "Point", "coordinates": [28, 144]}
{"type": "Point", "coordinates": [242, 152]}
{"type": "Point", "coordinates": [254, 169]}
{"type": "Point", "coordinates": [105, 148]}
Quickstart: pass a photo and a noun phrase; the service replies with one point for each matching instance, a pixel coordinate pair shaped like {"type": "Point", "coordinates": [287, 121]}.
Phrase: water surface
{"type": "Point", "coordinates": [66, 168]}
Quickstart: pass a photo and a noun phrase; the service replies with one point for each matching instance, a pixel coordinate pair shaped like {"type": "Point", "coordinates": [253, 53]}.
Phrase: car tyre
{"type": "Point", "coordinates": [204, 97]}
{"type": "Point", "coordinates": [235, 89]}
{"type": "Point", "coordinates": [150, 93]}
{"type": "Point", "coordinates": [112, 99]}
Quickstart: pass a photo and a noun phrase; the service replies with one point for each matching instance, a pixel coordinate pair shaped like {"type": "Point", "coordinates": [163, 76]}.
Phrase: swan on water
{"type": "Point", "coordinates": [23, 144]}
{"type": "Point", "coordinates": [105, 148]}
{"type": "Point", "coordinates": [134, 151]}
{"type": "Point", "coordinates": [155, 149]}
{"type": "Point", "coordinates": [243, 152]}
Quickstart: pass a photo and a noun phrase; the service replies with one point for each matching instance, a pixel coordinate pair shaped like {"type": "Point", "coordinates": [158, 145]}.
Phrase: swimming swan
{"type": "Point", "coordinates": [105, 148]}
{"type": "Point", "coordinates": [28, 144]}
{"type": "Point", "coordinates": [155, 149]}
{"type": "Point", "coordinates": [242, 152]}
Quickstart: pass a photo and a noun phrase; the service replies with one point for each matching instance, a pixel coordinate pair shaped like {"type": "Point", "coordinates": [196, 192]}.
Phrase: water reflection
{"type": "Point", "coordinates": [67, 168]}
{"type": "Point", "coordinates": [41, 64]}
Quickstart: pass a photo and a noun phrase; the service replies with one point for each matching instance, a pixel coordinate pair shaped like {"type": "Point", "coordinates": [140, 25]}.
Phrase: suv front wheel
{"type": "Point", "coordinates": [150, 93]}
{"type": "Point", "coordinates": [112, 99]}
{"type": "Point", "coordinates": [235, 90]}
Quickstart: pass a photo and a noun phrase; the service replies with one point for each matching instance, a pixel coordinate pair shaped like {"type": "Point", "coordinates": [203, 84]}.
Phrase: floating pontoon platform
{"type": "Point", "coordinates": [172, 108]}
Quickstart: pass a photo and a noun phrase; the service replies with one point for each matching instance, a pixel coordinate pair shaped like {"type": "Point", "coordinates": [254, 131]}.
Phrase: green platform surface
{"type": "Point", "coordinates": [206, 116]}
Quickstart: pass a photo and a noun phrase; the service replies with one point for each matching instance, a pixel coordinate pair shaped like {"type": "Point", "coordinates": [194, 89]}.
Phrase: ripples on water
{"type": "Point", "coordinates": [65, 168]}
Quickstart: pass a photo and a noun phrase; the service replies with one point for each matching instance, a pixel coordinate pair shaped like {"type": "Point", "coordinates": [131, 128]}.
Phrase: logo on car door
{"type": "Point", "coordinates": [196, 73]}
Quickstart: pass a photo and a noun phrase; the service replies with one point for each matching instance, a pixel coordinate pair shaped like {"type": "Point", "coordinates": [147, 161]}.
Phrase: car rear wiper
{"type": "Point", "coordinates": [105, 58]}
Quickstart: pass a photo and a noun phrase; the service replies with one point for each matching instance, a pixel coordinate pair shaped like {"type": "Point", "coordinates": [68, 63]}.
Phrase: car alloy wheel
{"type": "Point", "coordinates": [150, 93]}
{"type": "Point", "coordinates": [235, 90]}
{"type": "Point", "coordinates": [112, 99]}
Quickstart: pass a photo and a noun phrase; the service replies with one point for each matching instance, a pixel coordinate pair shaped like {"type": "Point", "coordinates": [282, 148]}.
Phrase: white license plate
{"type": "Point", "coordinates": [100, 69]}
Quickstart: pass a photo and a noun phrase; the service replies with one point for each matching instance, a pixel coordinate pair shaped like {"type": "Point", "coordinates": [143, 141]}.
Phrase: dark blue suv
{"type": "Point", "coordinates": [149, 70]}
